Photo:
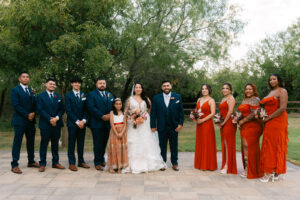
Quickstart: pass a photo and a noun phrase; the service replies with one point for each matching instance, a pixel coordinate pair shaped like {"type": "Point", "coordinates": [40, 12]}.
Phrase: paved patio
{"type": "Point", "coordinates": [188, 183]}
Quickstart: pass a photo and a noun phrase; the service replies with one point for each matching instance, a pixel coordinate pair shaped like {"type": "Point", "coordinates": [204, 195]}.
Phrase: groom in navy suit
{"type": "Point", "coordinates": [167, 118]}
{"type": "Point", "coordinates": [99, 104]}
{"type": "Point", "coordinates": [76, 110]}
{"type": "Point", "coordinates": [51, 108]}
{"type": "Point", "coordinates": [24, 103]}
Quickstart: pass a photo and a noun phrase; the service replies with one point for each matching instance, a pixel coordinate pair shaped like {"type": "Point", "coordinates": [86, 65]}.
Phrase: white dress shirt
{"type": "Point", "coordinates": [167, 98]}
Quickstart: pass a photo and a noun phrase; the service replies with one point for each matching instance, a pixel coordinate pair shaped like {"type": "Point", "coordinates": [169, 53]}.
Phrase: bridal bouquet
{"type": "Point", "coordinates": [236, 117]}
{"type": "Point", "coordinates": [196, 114]}
{"type": "Point", "coordinates": [136, 116]}
{"type": "Point", "coordinates": [261, 113]}
{"type": "Point", "coordinates": [218, 119]}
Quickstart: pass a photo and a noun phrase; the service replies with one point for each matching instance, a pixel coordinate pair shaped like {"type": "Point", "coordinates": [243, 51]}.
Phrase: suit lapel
{"type": "Point", "coordinates": [22, 91]}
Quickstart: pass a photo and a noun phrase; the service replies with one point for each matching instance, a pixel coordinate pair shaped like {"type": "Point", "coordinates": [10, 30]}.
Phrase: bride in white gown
{"type": "Point", "coordinates": [143, 145]}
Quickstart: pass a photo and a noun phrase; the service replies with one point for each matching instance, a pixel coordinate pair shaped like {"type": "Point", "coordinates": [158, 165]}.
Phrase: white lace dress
{"type": "Point", "coordinates": [143, 145]}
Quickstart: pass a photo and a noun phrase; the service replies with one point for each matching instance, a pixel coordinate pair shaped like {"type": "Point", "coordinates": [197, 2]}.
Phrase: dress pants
{"type": "Point", "coordinates": [169, 134]}
{"type": "Point", "coordinates": [19, 131]}
{"type": "Point", "coordinates": [52, 134]}
{"type": "Point", "coordinates": [76, 135]}
{"type": "Point", "coordinates": [100, 138]}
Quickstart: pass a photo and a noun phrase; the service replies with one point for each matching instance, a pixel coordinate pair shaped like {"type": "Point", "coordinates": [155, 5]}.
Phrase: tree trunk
{"type": "Point", "coordinates": [2, 100]}
{"type": "Point", "coordinates": [126, 87]}
{"type": "Point", "coordinates": [64, 130]}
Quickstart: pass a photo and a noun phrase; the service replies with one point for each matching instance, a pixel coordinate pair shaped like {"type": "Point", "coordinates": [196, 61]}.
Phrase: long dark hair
{"type": "Point", "coordinates": [114, 108]}
{"type": "Point", "coordinates": [208, 88]}
{"type": "Point", "coordinates": [280, 81]}
{"type": "Point", "coordinates": [143, 95]}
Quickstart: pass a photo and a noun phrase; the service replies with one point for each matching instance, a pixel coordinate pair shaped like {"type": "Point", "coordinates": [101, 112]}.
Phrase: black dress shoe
{"type": "Point", "coordinates": [103, 164]}
{"type": "Point", "coordinates": [35, 164]}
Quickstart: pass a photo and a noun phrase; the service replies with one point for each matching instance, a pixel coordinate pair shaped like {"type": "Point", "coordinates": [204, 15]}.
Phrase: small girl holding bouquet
{"type": "Point", "coordinates": [117, 149]}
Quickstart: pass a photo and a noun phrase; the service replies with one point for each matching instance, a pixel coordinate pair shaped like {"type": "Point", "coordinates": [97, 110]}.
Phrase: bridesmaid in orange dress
{"type": "Point", "coordinates": [275, 133]}
{"type": "Point", "coordinates": [205, 148]}
{"type": "Point", "coordinates": [250, 133]}
{"type": "Point", "coordinates": [228, 131]}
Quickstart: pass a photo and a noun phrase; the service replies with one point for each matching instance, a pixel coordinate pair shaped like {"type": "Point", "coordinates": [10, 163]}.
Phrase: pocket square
{"type": "Point", "coordinates": [112, 100]}
{"type": "Point", "coordinates": [177, 101]}
{"type": "Point", "coordinates": [59, 101]}
{"type": "Point", "coordinates": [83, 99]}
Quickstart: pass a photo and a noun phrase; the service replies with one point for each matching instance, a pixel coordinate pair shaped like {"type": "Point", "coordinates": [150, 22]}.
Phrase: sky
{"type": "Point", "coordinates": [263, 18]}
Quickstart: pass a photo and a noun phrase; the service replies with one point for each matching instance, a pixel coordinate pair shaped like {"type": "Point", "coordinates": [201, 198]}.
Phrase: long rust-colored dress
{"type": "Point", "coordinates": [251, 132]}
{"type": "Point", "coordinates": [228, 134]}
{"type": "Point", "coordinates": [205, 148]}
{"type": "Point", "coordinates": [275, 139]}
{"type": "Point", "coordinates": [117, 148]}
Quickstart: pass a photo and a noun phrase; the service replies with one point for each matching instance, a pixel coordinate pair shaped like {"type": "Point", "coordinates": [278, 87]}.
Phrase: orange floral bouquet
{"type": "Point", "coordinates": [136, 116]}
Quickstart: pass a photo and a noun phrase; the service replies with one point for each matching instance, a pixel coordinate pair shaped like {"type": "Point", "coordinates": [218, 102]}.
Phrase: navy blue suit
{"type": "Point", "coordinates": [48, 108]}
{"type": "Point", "coordinates": [76, 109]}
{"type": "Point", "coordinates": [166, 120]}
{"type": "Point", "coordinates": [97, 107]}
{"type": "Point", "coordinates": [23, 104]}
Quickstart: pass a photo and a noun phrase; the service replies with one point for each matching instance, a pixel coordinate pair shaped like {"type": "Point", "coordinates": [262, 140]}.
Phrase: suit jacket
{"type": "Point", "coordinates": [162, 116]}
{"type": "Point", "coordinates": [76, 110]}
{"type": "Point", "coordinates": [47, 109]}
{"type": "Point", "coordinates": [23, 104]}
{"type": "Point", "coordinates": [97, 107]}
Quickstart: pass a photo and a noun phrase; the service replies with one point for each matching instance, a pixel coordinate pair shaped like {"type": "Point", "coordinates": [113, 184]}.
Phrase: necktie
{"type": "Point", "coordinates": [78, 98]}
{"type": "Point", "coordinates": [103, 94]}
{"type": "Point", "coordinates": [27, 91]}
{"type": "Point", "coordinates": [51, 97]}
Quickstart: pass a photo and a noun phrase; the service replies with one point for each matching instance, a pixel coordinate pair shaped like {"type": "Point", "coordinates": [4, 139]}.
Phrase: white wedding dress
{"type": "Point", "coordinates": [143, 145]}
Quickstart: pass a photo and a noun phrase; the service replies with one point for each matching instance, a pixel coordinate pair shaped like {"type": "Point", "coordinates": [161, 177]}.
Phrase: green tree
{"type": "Point", "coordinates": [279, 53]}
{"type": "Point", "coordinates": [163, 40]}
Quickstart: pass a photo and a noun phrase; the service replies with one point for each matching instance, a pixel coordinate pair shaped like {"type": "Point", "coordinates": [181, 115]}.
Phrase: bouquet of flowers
{"type": "Point", "coordinates": [136, 116]}
{"type": "Point", "coordinates": [261, 113]}
{"type": "Point", "coordinates": [236, 117]}
{"type": "Point", "coordinates": [196, 114]}
{"type": "Point", "coordinates": [218, 119]}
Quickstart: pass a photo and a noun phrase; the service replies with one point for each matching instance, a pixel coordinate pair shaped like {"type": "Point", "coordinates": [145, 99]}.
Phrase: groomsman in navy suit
{"type": "Point", "coordinates": [24, 103]}
{"type": "Point", "coordinates": [51, 108]}
{"type": "Point", "coordinates": [99, 106]}
{"type": "Point", "coordinates": [76, 109]}
{"type": "Point", "coordinates": [167, 118]}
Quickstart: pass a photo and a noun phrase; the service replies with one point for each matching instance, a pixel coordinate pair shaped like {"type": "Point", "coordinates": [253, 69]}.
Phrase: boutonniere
{"type": "Point", "coordinates": [82, 95]}
{"type": "Point", "coordinates": [172, 98]}
{"type": "Point", "coordinates": [55, 96]}
{"type": "Point", "coordinates": [108, 95]}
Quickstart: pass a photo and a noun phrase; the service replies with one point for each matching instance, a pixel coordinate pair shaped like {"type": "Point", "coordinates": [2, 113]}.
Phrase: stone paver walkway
{"type": "Point", "coordinates": [188, 183]}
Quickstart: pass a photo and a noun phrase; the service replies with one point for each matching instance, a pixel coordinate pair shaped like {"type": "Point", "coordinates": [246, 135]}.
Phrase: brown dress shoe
{"type": "Point", "coordinates": [16, 170]}
{"type": "Point", "coordinates": [42, 168]}
{"type": "Point", "coordinates": [83, 165]}
{"type": "Point", "coordinates": [35, 164]}
{"type": "Point", "coordinates": [175, 168]}
{"type": "Point", "coordinates": [58, 166]}
{"type": "Point", "coordinates": [103, 164]}
{"type": "Point", "coordinates": [73, 167]}
{"type": "Point", "coordinates": [99, 167]}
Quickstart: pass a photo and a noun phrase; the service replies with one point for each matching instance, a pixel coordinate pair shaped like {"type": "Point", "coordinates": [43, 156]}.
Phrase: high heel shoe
{"type": "Point", "coordinates": [244, 174]}
{"type": "Point", "coordinates": [223, 171]}
{"type": "Point", "coordinates": [267, 177]}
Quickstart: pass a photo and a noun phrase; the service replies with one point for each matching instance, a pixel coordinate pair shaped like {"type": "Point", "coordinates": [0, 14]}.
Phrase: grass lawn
{"type": "Point", "coordinates": [186, 138]}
